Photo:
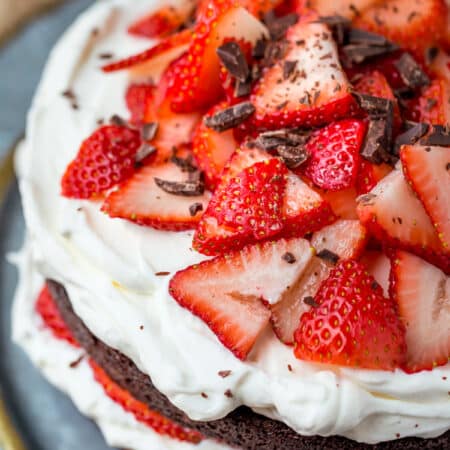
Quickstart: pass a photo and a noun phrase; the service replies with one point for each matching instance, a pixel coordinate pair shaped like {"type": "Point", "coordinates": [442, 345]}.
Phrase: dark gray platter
{"type": "Point", "coordinates": [44, 418]}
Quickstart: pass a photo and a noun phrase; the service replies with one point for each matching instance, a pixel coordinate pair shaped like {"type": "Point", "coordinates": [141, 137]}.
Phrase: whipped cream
{"type": "Point", "coordinates": [54, 358]}
{"type": "Point", "coordinates": [108, 267]}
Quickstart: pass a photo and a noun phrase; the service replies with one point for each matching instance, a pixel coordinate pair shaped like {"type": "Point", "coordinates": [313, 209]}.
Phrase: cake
{"type": "Point", "coordinates": [238, 224]}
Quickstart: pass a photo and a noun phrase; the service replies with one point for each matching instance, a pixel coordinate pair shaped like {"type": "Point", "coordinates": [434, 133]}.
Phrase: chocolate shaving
{"type": "Point", "coordinates": [76, 363]}
{"type": "Point", "coordinates": [357, 36]}
{"type": "Point", "coordinates": [259, 49]}
{"type": "Point", "coordinates": [328, 255]}
{"type": "Point", "coordinates": [359, 53]}
{"type": "Point", "coordinates": [310, 301]}
{"type": "Point", "coordinates": [144, 151]}
{"type": "Point", "coordinates": [118, 121]}
{"type": "Point", "coordinates": [278, 25]}
{"type": "Point", "coordinates": [230, 117]}
{"type": "Point", "coordinates": [234, 60]}
{"type": "Point", "coordinates": [182, 188]}
{"type": "Point", "coordinates": [162, 274]}
{"type": "Point", "coordinates": [149, 130]}
{"type": "Point", "coordinates": [293, 157]}
{"type": "Point", "coordinates": [339, 26]}
{"type": "Point", "coordinates": [376, 147]}
{"type": "Point", "coordinates": [289, 68]}
{"type": "Point", "coordinates": [411, 136]}
{"type": "Point", "coordinates": [410, 72]}
{"type": "Point", "coordinates": [440, 135]}
{"type": "Point", "coordinates": [289, 258]}
{"type": "Point", "coordinates": [195, 208]}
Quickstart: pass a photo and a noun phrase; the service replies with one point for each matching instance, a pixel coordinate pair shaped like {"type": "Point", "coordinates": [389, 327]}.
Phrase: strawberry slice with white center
{"type": "Point", "coordinates": [197, 84]}
{"type": "Point", "coordinates": [335, 158]}
{"type": "Point", "coordinates": [316, 92]}
{"type": "Point", "coordinates": [422, 292]}
{"type": "Point", "coordinates": [143, 202]}
{"type": "Point", "coordinates": [428, 171]}
{"type": "Point", "coordinates": [212, 149]}
{"type": "Point", "coordinates": [346, 239]}
{"type": "Point", "coordinates": [228, 292]}
{"type": "Point", "coordinates": [416, 25]}
{"type": "Point", "coordinates": [303, 210]}
{"type": "Point", "coordinates": [396, 217]}
{"type": "Point", "coordinates": [343, 202]}
{"type": "Point", "coordinates": [369, 174]}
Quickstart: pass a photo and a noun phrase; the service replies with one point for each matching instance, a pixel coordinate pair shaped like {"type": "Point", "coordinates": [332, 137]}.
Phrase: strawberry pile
{"type": "Point", "coordinates": [309, 150]}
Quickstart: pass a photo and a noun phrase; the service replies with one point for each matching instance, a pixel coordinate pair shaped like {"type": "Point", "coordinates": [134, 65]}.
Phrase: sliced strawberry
{"type": "Point", "coordinates": [428, 171]}
{"type": "Point", "coordinates": [105, 158]}
{"type": "Point", "coordinates": [303, 209]}
{"type": "Point", "coordinates": [197, 84]}
{"type": "Point", "coordinates": [353, 324]}
{"type": "Point", "coordinates": [150, 61]}
{"type": "Point", "coordinates": [140, 200]}
{"type": "Point", "coordinates": [227, 291]}
{"type": "Point", "coordinates": [415, 25]}
{"type": "Point", "coordinates": [422, 292]}
{"type": "Point", "coordinates": [212, 150]}
{"type": "Point", "coordinates": [396, 217]}
{"type": "Point", "coordinates": [159, 423]}
{"type": "Point", "coordinates": [343, 203]}
{"type": "Point", "coordinates": [139, 98]}
{"type": "Point", "coordinates": [369, 175]}
{"type": "Point", "coordinates": [433, 104]}
{"type": "Point", "coordinates": [45, 306]}
{"type": "Point", "coordinates": [379, 266]}
{"type": "Point", "coordinates": [165, 20]}
{"type": "Point", "coordinates": [345, 238]}
{"type": "Point", "coordinates": [346, 8]}
{"type": "Point", "coordinates": [316, 92]}
{"type": "Point", "coordinates": [334, 155]}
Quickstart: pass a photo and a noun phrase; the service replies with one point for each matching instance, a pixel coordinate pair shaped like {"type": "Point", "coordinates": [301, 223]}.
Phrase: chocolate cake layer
{"type": "Point", "coordinates": [242, 428]}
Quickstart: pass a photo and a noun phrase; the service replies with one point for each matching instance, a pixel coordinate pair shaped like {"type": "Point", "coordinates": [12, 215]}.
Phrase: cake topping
{"type": "Point", "coordinates": [439, 135]}
{"type": "Point", "coordinates": [234, 60]}
{"type": "Point", "coordinates": [230, 117]}
{"type": "Point", "coordinates": [411, 73]}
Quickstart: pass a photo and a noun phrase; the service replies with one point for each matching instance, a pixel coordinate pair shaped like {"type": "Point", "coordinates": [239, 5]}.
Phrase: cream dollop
{"type": "Point", "coordinates": [108, 267]}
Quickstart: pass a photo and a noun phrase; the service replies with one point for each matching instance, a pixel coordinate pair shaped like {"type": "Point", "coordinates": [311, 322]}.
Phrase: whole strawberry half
{"type": "Point", "coordinates": [334, 155]}
{"type": "Point", "coordinates": [46, 307]}
{"type": "Point", "coordinates": [353, 323]}
{"type": "Point", "coordinates": [228, 292]}
{"type": "Point", "coordinates": [105, 158]}
{"type": "Point", "coordinates": [159, 423]}
{"type": "Point", "coordinates": [314, 92]}
{"type": "Point", "coordinates": [422, 292]}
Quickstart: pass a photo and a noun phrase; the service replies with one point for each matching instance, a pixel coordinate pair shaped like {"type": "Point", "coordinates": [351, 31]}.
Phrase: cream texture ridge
{"type": "Point", "coordinates": [109, 267]}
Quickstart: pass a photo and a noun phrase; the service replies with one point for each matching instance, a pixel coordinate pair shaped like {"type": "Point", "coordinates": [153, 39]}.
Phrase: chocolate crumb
{"type": "Point", "coordinates": [230, 117]}
{"type": "Point", "coordinates": [68, 93]}
{"type": "Point", "coordinates": [76, 363]}
{"type": "Point", "coordinates": [224, 373]}
{"type": "Point", "coordinates": [141, 327]}
{"type": "Point", "coordinates": [149, 130]}
{"type": "Point", "coordinates": [310, 301]}
{"type": "Point", "coordinates": [228, 393]}
{"type": "Point", "coordinates": [328, 255]}
{"type": "Point", "coordinates": [106, 55]}
{"type": "Point", "coordinates": [289, 258]}
{"type": "Point", "coordinates": [195, 208]}
{"type": "Point", "coordinates": [204, 395]}
{"type": "Point", "coordinates": [293, 156]}
{"type": "Point", "coordinates": [289, 68]}
{"type": "Point", "coordinates": [289, 368]}
{"type": "Point", "coordinates": [162, 274]}
{"type": "Point", "coordinates": [232, 57]}
{"type": "Point", "coordinates": [410, 72]}
{"type": "Point", "coordinates": [374, 285]}
{"type": "Point", "coordinates": [118, 121]}
{"type": "Point", "coordinates": [100, 121]}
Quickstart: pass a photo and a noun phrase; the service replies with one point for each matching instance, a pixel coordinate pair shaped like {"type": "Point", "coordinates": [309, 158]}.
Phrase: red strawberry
{"type": "Point", "coordinates": [212, 150]}
{"type": "Point", "coordinates": [369, 175]}
{"type": "Point", "coordinates": [140, 200]}
{"type": "Point", "coordinates": [197, 84]}
{"type": "Point", "coordinates": [164, 21]}
{"type": "Point", "coordinates": [139, 97]}
{"type": "Point", "coordinates": [252, 202]}
{"type": "Point", "coordinates": [303, 209]}
{"type": "Point", "coordinates": [353, 324]}
{"type": "Point", "coordinates": [227, 291]}
{"type": "Point", "coordinates": [334, 150]}
{"type": "Point", "coordinates": [105, 158]}
{"type": "Point", "coordinates": [345, 238]}
{"type": "Point", "coordinates": [315, 92]}
{"type": "Point", "coordinates": [415, 25]}
{"type": "Point", "coordinates": [428, 171]}
{"type": "Point", "coordinates": [396, 217]}
{"type": "Point", "coordinates": [433, 104]}
{"type": "Point", "coordinates": [162, 425]}
{"type": "Point", "coordinates": [346, 8]}
{"type": "Point", "coordinates": [46, 308]}
{"type": "Point", "coordinates": [151, 60]}
{"type": "Point", "coordinates": [422, 292]}
{"type": "Point", "coordinates": [343, 203]}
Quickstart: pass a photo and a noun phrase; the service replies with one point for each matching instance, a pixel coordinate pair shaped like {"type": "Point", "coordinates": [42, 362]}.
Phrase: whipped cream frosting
{"type": "Point", "coordinates": [55, 357]}
{"type": "Point", "coordinates": [108, 267]}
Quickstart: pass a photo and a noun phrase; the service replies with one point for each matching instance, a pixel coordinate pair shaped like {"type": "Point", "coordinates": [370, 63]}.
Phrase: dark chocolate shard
{"type": "Point", "coordinates": [359, 53]}
{"type": "Point", "coordinates": [439, 135]}
{"type": "Point", "coordinates": [271, 140]}
{"type": "Point", "coordinates": [376, 107]}
{"type": "Point", "coordinates": [181, 188]}
{"type": "Point", "coordinates": [259, 49]}
{"type": "Point", "coordinates": [339, 26]}
{"type": "Point", "coordinates": [310, 301]}
{"type": "Point", "coordinates": [185, 164]}
{"type": "Point", "coordinates": [410, 136]}
{"type": "Point", "coordinates": [431, 54]}
{"type": "Point", "coordinates": [234, 60]}
{"type": "Point", "coordinates": [404, 93]}
{"type": "Point", "coordinates": [144, 151]}
{"type": "Point", "coordinates": [293, 157]}
{"type": "Point", "coordinates": [289, 258]}
{"type": "Point", "coordinates": [289, 68]}
{"type": "Point", "coordinates": [243, 89]}
{"type": "Point", "coordinates": [328, 255]}
{"type": "Point", "coordinates": [149, 130]}
{"type": "Point", "coordinates": [376, 147]}
{"type": "Point", "coordinates": [230, 117]}
{"type": "Point", "coordinates": [410, 72]}
{"type": "Point", "coordinates": [274, 52]}
{"type": "Point", "coordinates": [279, 25]}
{"type": "Point", "coordinates": [357, 36]}
{"type": "Point", "coordinates": [195, 208]}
